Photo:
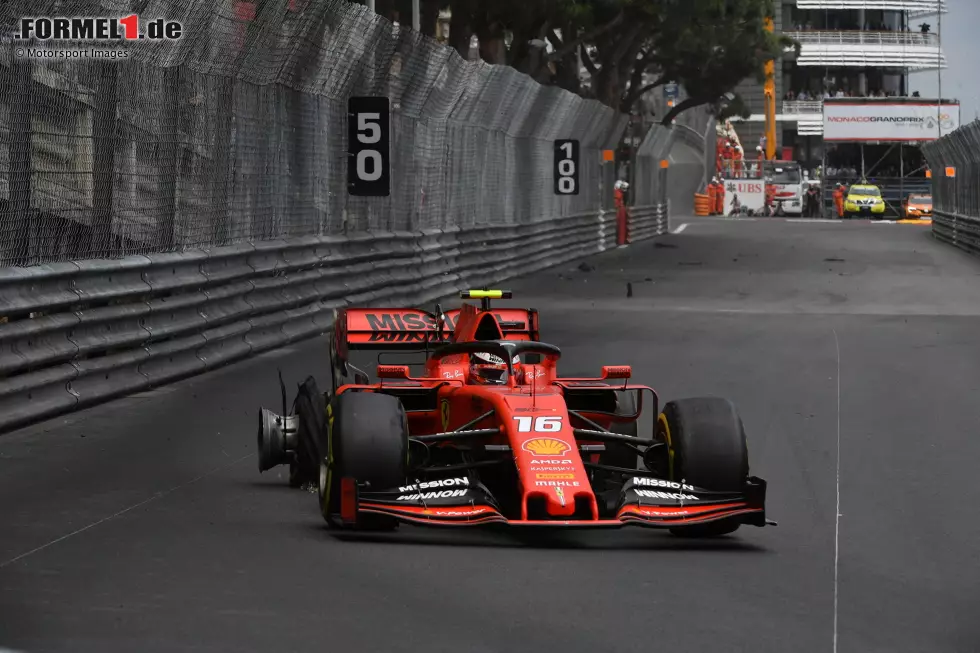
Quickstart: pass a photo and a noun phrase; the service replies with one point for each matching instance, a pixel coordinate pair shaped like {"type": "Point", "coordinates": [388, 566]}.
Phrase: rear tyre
{"type": "Point", "coordinates": [707, 448]}
{"type": "Point", "coordinates": [617, 454]}
{"type": "Point", "coordinates": [367, 440]}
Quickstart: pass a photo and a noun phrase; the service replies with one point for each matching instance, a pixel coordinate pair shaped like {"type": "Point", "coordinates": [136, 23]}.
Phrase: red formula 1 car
{"type": "Point", "coordinates": [490, 434]}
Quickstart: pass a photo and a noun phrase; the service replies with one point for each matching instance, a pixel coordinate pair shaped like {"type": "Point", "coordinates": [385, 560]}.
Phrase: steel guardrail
{"type": "Point", "coordinates": [962, 231]}
{"type": "Point", "coordinates": [76, 334]}
{"type": "Point", "coordinates": [648, 222]}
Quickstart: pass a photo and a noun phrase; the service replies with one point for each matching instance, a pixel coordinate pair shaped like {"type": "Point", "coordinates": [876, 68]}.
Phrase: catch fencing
{"type": "Point", "coordinates": [955, 164]}
{"type": "Point", "coordinates": [236, 133]}
{"type": "Point", "coordinates": [688, 148]}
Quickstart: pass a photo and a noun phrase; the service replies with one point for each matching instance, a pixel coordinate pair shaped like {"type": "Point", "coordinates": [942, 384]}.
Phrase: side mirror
{"type": "Point", "coordinates": [393, 372]}
{"type": "Point", "coordinates": [616, 372]}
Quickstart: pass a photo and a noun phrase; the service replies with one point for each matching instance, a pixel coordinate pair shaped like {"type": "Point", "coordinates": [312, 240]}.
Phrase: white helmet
{"type": "Point", "coordinates": [493, 359]}
{"type": "Point", "coordinates": [489, 368]}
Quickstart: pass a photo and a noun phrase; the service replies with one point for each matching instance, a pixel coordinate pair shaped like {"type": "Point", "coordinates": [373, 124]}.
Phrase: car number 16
{"type": "Point", "coordinates": [547, 424]}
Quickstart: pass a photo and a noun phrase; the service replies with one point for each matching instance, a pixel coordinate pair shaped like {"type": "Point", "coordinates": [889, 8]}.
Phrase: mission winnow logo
{"type": "Point", "coordinates": [127, 28]}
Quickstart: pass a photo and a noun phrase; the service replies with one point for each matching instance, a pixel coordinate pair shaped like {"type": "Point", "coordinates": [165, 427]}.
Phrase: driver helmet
{"type": "Point", "coordinates": [490, 369]}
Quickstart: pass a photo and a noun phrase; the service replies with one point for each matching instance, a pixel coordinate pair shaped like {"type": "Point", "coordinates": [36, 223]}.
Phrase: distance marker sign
{"type": "Point", "coordinates": [368, 146]}
{"type": "Point", "coordinates": [566, 167]}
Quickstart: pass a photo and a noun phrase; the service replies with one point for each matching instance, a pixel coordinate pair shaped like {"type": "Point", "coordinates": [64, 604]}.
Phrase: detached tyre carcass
{"type": "Point", "coordinates": [295, 439]}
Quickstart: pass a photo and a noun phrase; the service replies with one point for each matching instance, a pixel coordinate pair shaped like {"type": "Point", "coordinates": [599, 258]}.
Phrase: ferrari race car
{"type": "Point", "coordinates": [489, 433]}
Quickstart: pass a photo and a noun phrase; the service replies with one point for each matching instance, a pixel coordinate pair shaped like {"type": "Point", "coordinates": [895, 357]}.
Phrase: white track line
{"type": "Point", "coordinates": [154, 497]}
{"type": "Point", "coordinates": [679, 229]}
{"type": "Point", "coordinates": [837, 512]}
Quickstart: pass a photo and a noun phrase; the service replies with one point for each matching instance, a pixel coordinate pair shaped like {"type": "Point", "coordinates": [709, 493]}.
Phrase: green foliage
{"type": "Point", "coordinates": [633, 46]}
{"type": "Point", "coordinates": [735, 108]}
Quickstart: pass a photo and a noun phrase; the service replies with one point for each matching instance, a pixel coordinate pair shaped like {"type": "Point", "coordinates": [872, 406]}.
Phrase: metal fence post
{"type": "Point", "coordinates": [169, 141]}
{"type": "Point", "coordinates": [104, 132]}
{"type": "Point", "coordinates": [17, 243]}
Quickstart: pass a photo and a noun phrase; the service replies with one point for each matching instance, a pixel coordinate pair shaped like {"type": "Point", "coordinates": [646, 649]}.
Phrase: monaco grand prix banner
{"type": "Point", "coordinates": [874, 121]}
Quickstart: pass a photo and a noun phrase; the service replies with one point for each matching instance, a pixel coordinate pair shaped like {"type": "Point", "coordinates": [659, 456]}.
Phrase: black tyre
{"type": "Point", "coordinates": [707, 447]}
{"type": "Point", "coordinates": [616, 454]}
{"type": "Point", "coordinates": [311, 406]}
{"type": "Point", "coordinates": [367, 439]}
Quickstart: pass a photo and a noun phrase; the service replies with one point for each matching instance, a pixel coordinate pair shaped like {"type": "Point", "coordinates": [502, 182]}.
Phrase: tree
{"type": "Point", "coordinates": [725, 43]}
{"type": "Point", "coordinates": [628, 47]}
{"type": "Point", "coordinates": [734, 108]}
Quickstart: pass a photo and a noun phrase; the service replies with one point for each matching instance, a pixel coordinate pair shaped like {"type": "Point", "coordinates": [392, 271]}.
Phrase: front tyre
{"type": "Point", "coordinates": [367, 440]}
{"type": "Point", "coordinates": [707, 449]}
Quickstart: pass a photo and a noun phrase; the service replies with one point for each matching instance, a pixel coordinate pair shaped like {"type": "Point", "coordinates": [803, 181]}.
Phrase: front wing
{"type": "Point", "coordinates": [644, 501]}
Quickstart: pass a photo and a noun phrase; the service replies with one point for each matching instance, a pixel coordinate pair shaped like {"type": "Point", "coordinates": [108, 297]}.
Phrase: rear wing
{"type": "Point", "coordinates": [413, 328]}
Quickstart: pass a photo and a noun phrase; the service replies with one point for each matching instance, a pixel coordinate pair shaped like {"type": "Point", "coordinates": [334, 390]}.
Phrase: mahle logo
{"type": "Point", "coordinates": [98, 29]}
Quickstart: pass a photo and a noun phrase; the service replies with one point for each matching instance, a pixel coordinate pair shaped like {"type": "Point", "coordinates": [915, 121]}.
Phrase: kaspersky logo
{"type": "Point", "coordinates": [128, 28]}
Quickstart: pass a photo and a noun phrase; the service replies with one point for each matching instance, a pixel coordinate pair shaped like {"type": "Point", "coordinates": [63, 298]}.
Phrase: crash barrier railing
{"type": "Point", "coordinates": [959, 230]}
{"type": "Point", "coordinates": [647, 221]}
{"type": "Point", "coordinates": [75, 334]}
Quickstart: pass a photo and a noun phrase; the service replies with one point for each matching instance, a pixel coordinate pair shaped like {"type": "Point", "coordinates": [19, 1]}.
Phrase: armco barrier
{"type": "Point", "coordinates": [962, 231]}
{"type": "Point", "coordinates": [647, 222]}
{"type": "Point", "coordinates": [80, 333]}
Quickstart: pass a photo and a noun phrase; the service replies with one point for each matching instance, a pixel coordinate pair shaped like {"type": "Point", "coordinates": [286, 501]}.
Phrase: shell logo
{"type": "Point", "coordinates": [545, 447]}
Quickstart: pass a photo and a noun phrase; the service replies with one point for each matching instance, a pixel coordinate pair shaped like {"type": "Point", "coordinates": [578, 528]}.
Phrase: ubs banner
{"type": "Point", "coordinates": [874, 121]}
{"type": "Point", "coordinates": [747, 194]}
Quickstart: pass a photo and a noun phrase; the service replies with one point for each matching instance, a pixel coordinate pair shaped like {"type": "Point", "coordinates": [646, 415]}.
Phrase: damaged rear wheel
{"type": "Point", "coordinates": [294, 439]}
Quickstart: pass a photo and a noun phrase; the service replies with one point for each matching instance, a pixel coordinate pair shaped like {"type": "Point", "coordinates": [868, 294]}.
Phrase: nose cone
{"type": "Point", "coordinates": [546, 455]}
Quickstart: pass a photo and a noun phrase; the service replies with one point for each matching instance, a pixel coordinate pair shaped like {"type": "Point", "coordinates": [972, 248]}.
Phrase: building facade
{"type": "Point", "coordinates": [849, 48]}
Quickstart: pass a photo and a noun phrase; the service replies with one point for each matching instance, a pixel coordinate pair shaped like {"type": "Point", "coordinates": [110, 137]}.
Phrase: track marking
{"type": "Point", "coordinates": [837, 511]}
{"type": "Point", "coordinates": [679, 229]}
{"type": "Point", "coordinates": [812, 220]}
{"type": "Point", "coordinates": [154, 497]}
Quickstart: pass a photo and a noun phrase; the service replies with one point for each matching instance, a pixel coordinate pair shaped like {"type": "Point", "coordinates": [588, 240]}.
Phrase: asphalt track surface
{"type": "Point", "coordinates": [144, 526]}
